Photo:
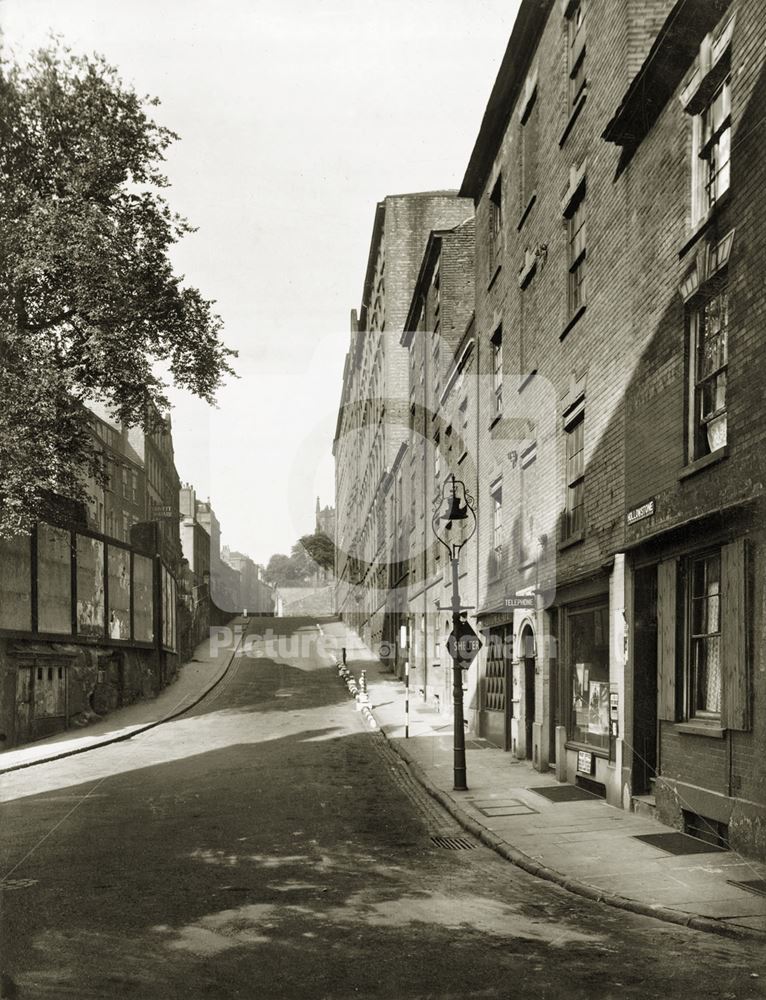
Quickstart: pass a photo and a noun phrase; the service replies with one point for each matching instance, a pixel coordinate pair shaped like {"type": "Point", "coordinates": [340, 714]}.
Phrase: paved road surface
{"type": "Point", "coordinates": [267, 846]}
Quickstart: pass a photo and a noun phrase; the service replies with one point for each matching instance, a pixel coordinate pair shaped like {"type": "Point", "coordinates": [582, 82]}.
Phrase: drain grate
{"type": "Point", "coordinates": [453, 843]}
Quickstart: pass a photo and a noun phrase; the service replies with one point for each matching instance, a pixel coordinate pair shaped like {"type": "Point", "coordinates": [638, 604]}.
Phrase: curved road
{"type": "Point", "coordinates": [267, 846]}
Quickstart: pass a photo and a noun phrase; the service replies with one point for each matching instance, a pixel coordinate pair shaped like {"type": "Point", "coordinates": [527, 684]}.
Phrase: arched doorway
{"type": "Point", "coordinates": [528, 659]}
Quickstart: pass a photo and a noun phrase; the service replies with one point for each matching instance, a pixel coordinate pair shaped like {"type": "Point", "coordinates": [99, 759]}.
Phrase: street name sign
{"type": "Point", "coordinates": [639, 513]}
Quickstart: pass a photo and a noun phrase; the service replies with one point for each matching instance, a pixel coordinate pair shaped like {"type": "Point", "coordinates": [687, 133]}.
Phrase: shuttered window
{"type": "Point", "coordinates": [667, 600]}
{"type": "Point", "coordinates": [717, 680]}
{"type": "Point", "coordinates": [735, 651]}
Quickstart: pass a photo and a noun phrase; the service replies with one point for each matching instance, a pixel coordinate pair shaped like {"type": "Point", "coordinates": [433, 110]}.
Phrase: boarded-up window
{"type": "Point", "coordinates": [16, 583]}
{"type": "Point", "coordinates": [90, 586]}
{"type": "Point", "coordinates": [143, 617]}
{"type": "Point", "coordinates": [54, 579]}
{"type": "Point", "coordinates": [119, 592]}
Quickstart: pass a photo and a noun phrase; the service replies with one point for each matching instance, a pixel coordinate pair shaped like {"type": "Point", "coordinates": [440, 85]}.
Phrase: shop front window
{"type": "Point", "coordinates": [588, 655]}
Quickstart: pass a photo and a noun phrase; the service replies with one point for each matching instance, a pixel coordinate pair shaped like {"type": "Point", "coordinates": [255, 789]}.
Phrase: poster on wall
{"type": "Point", "coordinates": [143, 589]}
{"type": "Point", "coordinates": [598, 708]}
{"type": "Point", "coordinates": [580, 685]}
{"type": "Point", "coordinates": [580, 694]}
{"type": "Point", "coordinates": [118, 564]}
{"type": "Point", "coordinates": [54, 579]}
{"type": "Point", "coordinates": [16, 583]}
{"type": "Point", "coordinates": [90, 585]}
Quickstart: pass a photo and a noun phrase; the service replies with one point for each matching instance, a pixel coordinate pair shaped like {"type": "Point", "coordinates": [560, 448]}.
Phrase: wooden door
{"type": "Point", "coordinates": [24, 688]}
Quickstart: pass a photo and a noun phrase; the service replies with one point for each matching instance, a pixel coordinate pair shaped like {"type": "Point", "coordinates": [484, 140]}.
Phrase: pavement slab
{"type": "Point", "coordinates": [588, 841]}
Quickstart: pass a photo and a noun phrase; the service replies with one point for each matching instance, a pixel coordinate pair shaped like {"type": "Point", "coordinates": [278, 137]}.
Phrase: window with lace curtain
{"type": "Point", "coordinates": [710, 334]}
{"type": "Point", "coordinates": [705, 636]}
{"type": "Point", "coordinates": [706, 95]}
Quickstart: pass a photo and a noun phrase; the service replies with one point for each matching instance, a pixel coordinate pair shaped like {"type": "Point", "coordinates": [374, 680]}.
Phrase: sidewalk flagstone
{"type": "Point", "coordinates": [588, 840]}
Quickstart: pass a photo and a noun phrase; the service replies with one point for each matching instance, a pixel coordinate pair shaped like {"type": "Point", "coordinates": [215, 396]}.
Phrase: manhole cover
{"type": "Point", "coordinates": [518, 810]}
{"type": "Point", "coordinates": [453, 843]}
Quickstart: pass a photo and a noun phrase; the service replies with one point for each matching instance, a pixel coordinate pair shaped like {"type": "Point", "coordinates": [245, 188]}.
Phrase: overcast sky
{"type": "Point", "coordinates": [295, 119]}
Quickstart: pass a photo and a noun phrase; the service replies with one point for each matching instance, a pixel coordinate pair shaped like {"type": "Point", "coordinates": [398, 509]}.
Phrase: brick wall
{"type": "Point", "coordinates": [720, 778]}
{"type": "Point", "coordinates": [374, 408]}
{"type": "Point", "coordinates": [595, 354]}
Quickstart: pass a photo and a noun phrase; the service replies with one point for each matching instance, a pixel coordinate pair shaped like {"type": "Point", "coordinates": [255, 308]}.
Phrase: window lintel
{"type": "Point", "coordinates": [575, 189]}
{"type": "Point", "coordinates": [708, 69]}
{"type": "Point", "coordinates": [530, 93]}
{"type": "Point", "coordinates": [573, 413]}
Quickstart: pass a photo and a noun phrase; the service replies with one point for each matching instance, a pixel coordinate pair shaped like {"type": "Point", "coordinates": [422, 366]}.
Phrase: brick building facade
{"type": "Point", "coordinates": [694, 531]}
{"type": "Point", "coordinates": [373, 416]}
{"type": "Point", "coordinates": [615, 379]}
{"type": "Point", "coordinates": [615, 275]}
{"type": "Point", "coordinates": [438, 335]}
{"type": "Point", "coordinates": [120, 502]}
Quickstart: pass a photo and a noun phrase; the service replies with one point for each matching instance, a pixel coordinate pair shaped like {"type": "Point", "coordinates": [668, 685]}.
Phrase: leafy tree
{"type": "Point", "coordinates": [284, 571]}
{"type": "Point", "coordinates": [294, 570]}
{"type": "Point", "coordinates": [320, 548]}
{"type": "Point", "coordinates": [90, 307]}
{"type": "Point", "coordinates": [302, 562]}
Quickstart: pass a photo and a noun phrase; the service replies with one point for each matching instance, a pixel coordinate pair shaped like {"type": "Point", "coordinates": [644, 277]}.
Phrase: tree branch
{"type": "Point", "coordinates": [53, 321]}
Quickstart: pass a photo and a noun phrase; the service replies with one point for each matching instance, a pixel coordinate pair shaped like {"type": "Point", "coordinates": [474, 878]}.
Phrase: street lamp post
{"type": "Point", "coordinates": [454, 522]}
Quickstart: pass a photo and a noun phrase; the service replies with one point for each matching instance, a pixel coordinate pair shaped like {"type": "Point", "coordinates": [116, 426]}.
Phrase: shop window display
{"type": "Point", "coordinates": [588, 641]}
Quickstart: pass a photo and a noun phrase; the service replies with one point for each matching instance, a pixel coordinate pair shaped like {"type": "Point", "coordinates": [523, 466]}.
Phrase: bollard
{"type": "Point", "coordinates": [363, 696]}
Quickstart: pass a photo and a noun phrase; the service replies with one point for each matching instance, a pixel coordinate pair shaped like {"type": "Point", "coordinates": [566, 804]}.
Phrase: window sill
{"type": "Point", "coordinates": [573, 321]}
{"type": "Point", "coordinates": [462, 458]}
{"type": "Point", "coordinates": [572, 119]}
{"type": "Point", "coordinates": [495, 421]}
{"type": "Point", "coordinates": [696, 233]}
{"type": "Point", "coordinates": [527, 379]}
{"type": "Point", "coordinates": [527, 273]}
{"type": "Point", "coordinates": [596, 751]}
{"type": "Point", "coordinates": [526, 212]}
{"type": "Point", "coordinates": [572, 540]}
{"type": "Point", "coordinates": [703, 463]}
{"type": "Point", "coordinates": [704, 224]}
{"type": "Point", "coordinates": [699, 727]}
{"type": "Point", "coordinates": [493, 277]}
